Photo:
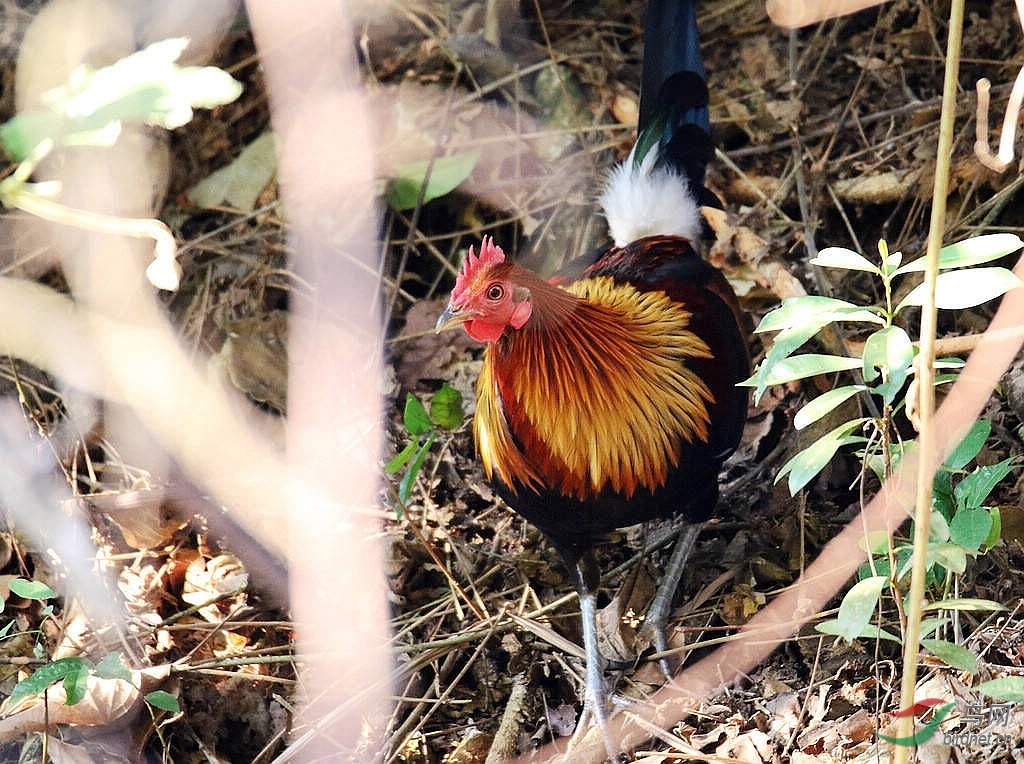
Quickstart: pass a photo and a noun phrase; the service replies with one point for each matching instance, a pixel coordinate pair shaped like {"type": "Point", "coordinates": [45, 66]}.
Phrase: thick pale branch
{"type": "Point", "coordinates": [145, 368]}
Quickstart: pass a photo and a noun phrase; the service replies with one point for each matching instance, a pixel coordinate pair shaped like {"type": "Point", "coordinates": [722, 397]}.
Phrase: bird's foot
{"type": "Point", "coordinates": [656, 630]}
{"type": "Point", "coordinates": [595, 693]}
{"type": "Point", "coordinates": [595, 714]}
{"type": "Point", "coordinates": [655, 626]}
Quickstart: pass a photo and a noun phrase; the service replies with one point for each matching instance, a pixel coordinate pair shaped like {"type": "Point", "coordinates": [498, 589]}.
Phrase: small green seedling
{"type": "Point", "coordinates": [445, 413]}
{"type": "Point", "coordinates": [73, 672]}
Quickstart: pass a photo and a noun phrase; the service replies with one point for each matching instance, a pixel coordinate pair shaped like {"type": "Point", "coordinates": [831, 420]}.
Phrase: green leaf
{"type": "Point", "coordinates": [931, 625]}
{"type": "Point", "coordinates": [997, 528]}
{"type": "Point", "coordinates": [963, 254]}
{"type": "Point", "coordinates": [814, 310]}
{"type": "Point", "coordinates": [446, 408]}
{"type": "Point", "coordinates": [398, 460]}
{"type": "Point", "coordinates": [972, 491]}
{"type": "Point", "coordinates": [942, 493]}
{"type": "Point", "coordinates": [970, 446]}
{"type": "Point", "coordinates": [964, 289]}
{"type": "Point", "coordinates": [800, 367]}
{"type": "Point", "coordinates": [875, 542]}
{"type": "Point", "coordinates": [46, 675]}
{"type": "Point", "coordinates": [953, 655]}
{"type": "Point", "coordinates": [939, 527]}
{"type": "Point", "coordinates": [76, 682]}
{"type": "Point", "coordinates": [145, 87]}
{"type": "Point", "coordinates": [1005, 688]}
{"type": "Point", "coordinates": [31, 590]}
{"type": "Point", "coordinates": [969, 528]}
{"type": "Point", "coordinates": [858, 607]}
{"type": "Point", "coordinates": [445, 173]}
{"type": "Point", "coordinates": [840, 257]}
{"type": "Point", "coordinates": [888, 352]}
{"type": "Point", "coordinates": [965, 603]}
{"type": "Point", "coordinates": [950, 556]}
{"type": "Point", "coordinates": [415, 417]}
{"type": "Point", "coordinates": [240, 183]}
{"type": "Point", "coordinates": [784, 343]}
{"type": "Point", "coordinates": [112, 667]}
{"type": "Point", "coordinates": [405, 486]}
{"type": "Point", "coordinates": [824, 404]}
{"type": "Point", "coordinates": [871, 631]}
{"type": "Point", "coordinates": [809, 462]}
{"type": "Point", "coordinates": [163, 700]}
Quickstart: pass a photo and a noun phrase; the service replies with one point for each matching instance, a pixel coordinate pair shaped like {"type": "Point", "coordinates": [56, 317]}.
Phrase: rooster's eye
{"type": "Point", "coordinates": [495, 292]}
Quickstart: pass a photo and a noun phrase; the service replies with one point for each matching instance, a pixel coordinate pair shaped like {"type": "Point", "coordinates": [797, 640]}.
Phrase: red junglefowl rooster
{"type": "Point", "coordinates": [608, 394]}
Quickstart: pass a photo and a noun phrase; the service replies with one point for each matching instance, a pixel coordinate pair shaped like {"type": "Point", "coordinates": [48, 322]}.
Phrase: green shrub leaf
{"type": "Point", "coordinates": [805, 465]}
{"type": "Point", "coordinates": [405, 486]}
{"type": "Point", "coordinates": [963, 254]}
{"type": "Point", "coordinates": [112, 667]}
{"type": "Point", "coordinates": [889, 353]}
{"type": "Point", "coordinates": [814, 310]}
{"type": "Point", "coordinates": [164, 701]}
{"type": "Point", "coordinates": [399, 460]}
{"type": "Point", "coordinates": [858, 607]}
{"type": "Point", "coordinates": [800, 367]}
{"type": "Point", "coordinates": [953, 655]}
{"type": "Point", "coordinates": [31, 590]}
{"type": "Point", "coordinates": [415, 417]}
{"type": "Point", "coordinates": [970, 446]}
{"type": "Point", "coordinates": [76, 682]}
{"type": "Point", "coordinates": [445, 173]}
{"type": "Point", "coordinates": [1005, 688]}
{"type": "Point", "coordinates": [145, 87]}
{"type": "Point", "coordinates": [784, 343]}
{"type": "Point", "coordinates": [824, 404]}
{"type": "Point", "coordinates": [446, 408]}
{"type": "Point", "coordinates": [840, 257]}
{"type": "Point", "coordinates": [997, 528]}
{"type": "Point", "coordinates": [966, 603]}
{"type": "Point", "coordinates": [974, 488]}
{"type": "Point", "coordinates": [871, 631]}
{"type": "Point", "coordinates": [964, 289]}
{"type": "Point", "coordinates": [970, 528]}
{"type": "Point", "coordinates": [46, 675]}
{"type": "Point", "coordinates": [950, 556]}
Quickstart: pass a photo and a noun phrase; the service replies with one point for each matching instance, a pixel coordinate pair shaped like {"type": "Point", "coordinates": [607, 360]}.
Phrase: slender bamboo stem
{"type": "Point", "coordinates": [926, 387]}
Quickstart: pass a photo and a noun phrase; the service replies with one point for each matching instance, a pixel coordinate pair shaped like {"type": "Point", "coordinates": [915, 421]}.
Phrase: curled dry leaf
{"type": "Point", "coordinates": [143, 517]}
{"type": "Point", "coordinates": [208, 581]}
{"type": "Point", "coordinates": [743, 256]}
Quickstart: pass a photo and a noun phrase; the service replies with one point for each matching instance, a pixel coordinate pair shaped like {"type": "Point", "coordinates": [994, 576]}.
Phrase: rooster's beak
{"type": "Point", "coordinates": [451, 316]}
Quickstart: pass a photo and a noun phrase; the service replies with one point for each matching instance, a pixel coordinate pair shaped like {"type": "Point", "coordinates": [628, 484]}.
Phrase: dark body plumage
{"type": "Point", "coordinates": [670, 265]}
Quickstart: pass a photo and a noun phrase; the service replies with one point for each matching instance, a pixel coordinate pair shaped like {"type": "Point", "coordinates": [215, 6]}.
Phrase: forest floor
{"type": "Point", "coordinates": [825, 138]}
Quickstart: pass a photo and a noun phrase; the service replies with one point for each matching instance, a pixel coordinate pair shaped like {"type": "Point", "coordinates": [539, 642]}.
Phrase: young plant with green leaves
{"type": "Point", "coordinates": [423, 428]}
{"type": "Point", "coordinates": [887, 361]}
{"type": "Point", "coordinates": [72, 672]}
{"type": "Point", "coordinates": [962, 525]}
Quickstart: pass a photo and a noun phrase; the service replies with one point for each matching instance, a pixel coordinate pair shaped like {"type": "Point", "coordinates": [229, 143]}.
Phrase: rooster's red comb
{"type": "Point", "coordinates": [490, 254]}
